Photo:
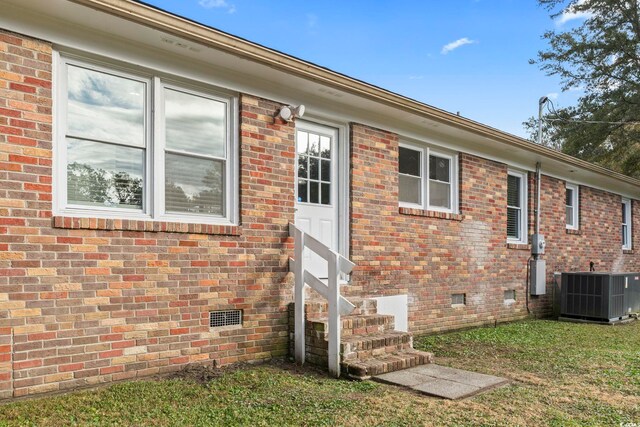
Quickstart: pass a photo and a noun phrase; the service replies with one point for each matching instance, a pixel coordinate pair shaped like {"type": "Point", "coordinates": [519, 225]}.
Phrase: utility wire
{"type": "Point", "coordinates": [552, 109]}
{"type": "Point", "coordinates": [590, 121]}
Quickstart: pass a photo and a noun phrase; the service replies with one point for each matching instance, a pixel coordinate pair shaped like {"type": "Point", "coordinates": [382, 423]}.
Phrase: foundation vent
{"type": "Point", "coordinates": [225, 318]}
{"type": "Point", "coordinates": [458, 300]}
{"type": "Point", "coordinates": [509, 295]}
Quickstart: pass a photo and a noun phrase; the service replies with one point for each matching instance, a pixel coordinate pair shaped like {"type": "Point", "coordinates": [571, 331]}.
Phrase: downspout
{"type": "Point", "coordinates": [541, 103]}
{"type": "Point", "coordinates": [536, 240]}
{"type": "Point", "coordinates": [537, 209]}
{"type": "Point", "coordinates": [536, 231]}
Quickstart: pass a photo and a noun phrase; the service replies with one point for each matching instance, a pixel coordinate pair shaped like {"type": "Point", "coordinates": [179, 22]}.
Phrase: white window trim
{"type": "Point", "coordinates": [576, 206]}
{"type": "Point", "coordinates": [153, 203]}
{"type": "Point", "coordinates": [524, 223]}
{"type": "Point", "coordinates": [629, 224]}
{"type": "Point", "coordinates": [426, 151]}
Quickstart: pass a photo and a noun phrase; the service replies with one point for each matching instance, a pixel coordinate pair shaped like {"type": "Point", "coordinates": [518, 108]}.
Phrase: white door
{"type": "Point", "coordinates": [317, 189]}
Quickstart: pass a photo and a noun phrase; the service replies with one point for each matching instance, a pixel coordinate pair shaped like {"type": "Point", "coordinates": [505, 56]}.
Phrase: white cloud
{"type": "Point", "coordinates": [417, 77]}
{"type": "Point", "coordinates": [570, 14]}
{"type": "Point", "coordinates": [217, 4]}
{"type": "Point", "coordinates": [312, 21]}
{"type": "Point", "coordinates": [456, 44]}
{"type": "Point", "coordinates": [553, 96]}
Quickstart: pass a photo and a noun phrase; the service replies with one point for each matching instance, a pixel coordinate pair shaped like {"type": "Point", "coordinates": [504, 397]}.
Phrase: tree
{"type": "Point", "coordinates": [209, 200]}
{"type": "Point", "coordinates": [86, 184]}
{"type": "Point", "coordinates": [549, 137]}
{"type": "Point", "coordinates": [176, 199]}
{"type": "Point", "coordinates": [128, 190]}
{"type": "Point", "coordinates": [600, 57]}
{"type": "Point", "coordinates": [96, 186]}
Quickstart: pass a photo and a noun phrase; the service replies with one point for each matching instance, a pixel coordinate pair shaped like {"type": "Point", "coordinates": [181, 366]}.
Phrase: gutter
{"type": "Point", "coordinates": [160, 20]}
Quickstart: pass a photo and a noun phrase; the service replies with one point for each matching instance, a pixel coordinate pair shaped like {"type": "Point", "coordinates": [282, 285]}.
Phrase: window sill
{"type": "Point", "coordinates": [573, 231]}
{"type": "Point", "coordinates": [430, 214]}
{"type": "Point", "coordinates": [628, 251]}
{"type": "Point", "coordinates": [519, 246]}
{"type": "Point", "coordinates": [76, 223]}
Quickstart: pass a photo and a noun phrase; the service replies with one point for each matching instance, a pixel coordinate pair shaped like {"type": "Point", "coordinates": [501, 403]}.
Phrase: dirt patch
{"type": "Point", "coordinates": [205, 373]}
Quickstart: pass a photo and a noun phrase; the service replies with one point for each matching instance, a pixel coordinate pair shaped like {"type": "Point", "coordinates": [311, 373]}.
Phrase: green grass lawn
{"type": "Point", "coordinates": [563, 375]}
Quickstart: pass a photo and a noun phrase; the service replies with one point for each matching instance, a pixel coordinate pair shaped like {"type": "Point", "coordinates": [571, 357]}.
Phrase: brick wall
{"type": "Point", "coordinates": [430, 256]}
{"type": "Point", "coordinates": [84, 301]}
{"type": "Point", "coordinates": [26, 272]}
{"type": "Point", "coordinates": [598, 238]}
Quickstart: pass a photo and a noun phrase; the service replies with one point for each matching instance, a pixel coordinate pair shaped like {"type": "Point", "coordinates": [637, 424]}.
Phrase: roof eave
{"type": "Point", "coordinates": [181, 27]}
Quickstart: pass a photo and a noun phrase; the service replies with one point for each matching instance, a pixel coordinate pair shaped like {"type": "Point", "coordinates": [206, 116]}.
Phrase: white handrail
{"type": "Point", "coordinates": [338, 305]}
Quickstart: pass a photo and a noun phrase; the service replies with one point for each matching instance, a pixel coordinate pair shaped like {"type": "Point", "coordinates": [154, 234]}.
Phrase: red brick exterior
{"type": "Point", "coordinates": [430, 256]}
{"type": "Point", "coordinates": [85, 300]}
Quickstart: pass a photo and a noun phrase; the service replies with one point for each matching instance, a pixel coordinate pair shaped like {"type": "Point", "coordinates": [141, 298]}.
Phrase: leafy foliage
{"type": "Point", "coordinates": [95, 186]}
{"type": "Point", "coordinates": [210, 199]}
{"type": "Point", "coordinates": [88, 185]}
{"type": "Point", "coordinates": [600, 57]}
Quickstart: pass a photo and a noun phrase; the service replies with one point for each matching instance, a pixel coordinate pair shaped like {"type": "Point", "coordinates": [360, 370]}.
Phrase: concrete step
{"type": "Point", "coordinates": [402, 359]}
{"type": "Point", "coordinates": [362, 347]}
{"type": "Point", "coordinates": [441, 381]}
{"type": "Point", "coordinates": [359, 324]}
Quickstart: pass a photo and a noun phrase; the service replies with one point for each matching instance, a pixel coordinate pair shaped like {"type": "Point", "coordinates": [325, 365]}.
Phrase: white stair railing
{"type": "Point", "coordinates": [338, 305]}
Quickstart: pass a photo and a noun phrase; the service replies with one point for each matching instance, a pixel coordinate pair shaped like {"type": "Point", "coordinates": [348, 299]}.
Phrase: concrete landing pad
{"type": "Point", "coordinates": [440, 381]}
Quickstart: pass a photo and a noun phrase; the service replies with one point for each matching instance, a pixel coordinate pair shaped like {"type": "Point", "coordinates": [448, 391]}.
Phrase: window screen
{"type": "Point", "coordinates": [514, 208]}
{"type": "Point", "coordinates": [569, 207]}
{"type": "Point", "coordinates": [410, 181]}
{"type": "Point", "coordinates": [439, 181]}
{"type": "Point", "coordinates": [105, 139]}
{"type": "Point", "coordinates": [626, 224]}
{"type": "Point", "coordinates": [195, 135]}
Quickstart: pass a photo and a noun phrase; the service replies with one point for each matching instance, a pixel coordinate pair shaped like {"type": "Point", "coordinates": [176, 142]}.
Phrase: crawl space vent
{"type": "Point", "coordinates": [458, 299]}
{"type": "Point", "coordinates": [225, 318]}
{"type": "Point", "coordinates": [510, 295]}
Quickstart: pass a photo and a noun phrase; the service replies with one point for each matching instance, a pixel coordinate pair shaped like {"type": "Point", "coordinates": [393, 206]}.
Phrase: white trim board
{"type": "Point", "coordinates": [397, 306]}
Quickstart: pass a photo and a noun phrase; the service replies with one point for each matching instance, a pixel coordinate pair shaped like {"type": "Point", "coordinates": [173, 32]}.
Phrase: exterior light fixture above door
{"type": "Point", "coordinates": [288, 113]}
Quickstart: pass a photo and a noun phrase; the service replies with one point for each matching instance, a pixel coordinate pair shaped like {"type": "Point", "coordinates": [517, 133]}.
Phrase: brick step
{"type": "Point", "coordinates": [358, 324]}
{"type": "Point", "coordinates": [321, 307]}
{"type": "Point", "coordinates": [402, 359]}
{"type": "Point", "coordinates": [362, 347]}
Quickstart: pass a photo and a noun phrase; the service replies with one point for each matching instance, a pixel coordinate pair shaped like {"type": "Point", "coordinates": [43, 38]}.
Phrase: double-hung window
{"type": "Point", "coordinates": [427, 179]}
{"type": "Point", "coordinates": [135, 145]}
{"type": "Point", "coordinates": [572, 206]}
{"type": "Point", "coordinates": [626, 224]}
{"type": "Point", "coordinates": [106, 139]}
{"type": "Point", "coordinates": [517, 207]}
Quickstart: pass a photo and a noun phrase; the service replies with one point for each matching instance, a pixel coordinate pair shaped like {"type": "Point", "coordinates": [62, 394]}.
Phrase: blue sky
{"type": "Point", "coordinates": [467, 56]}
